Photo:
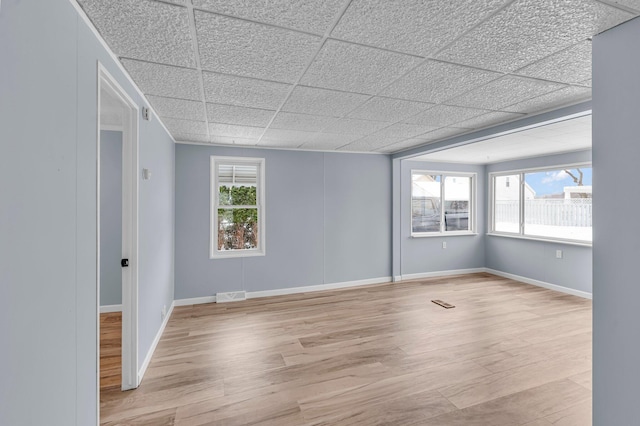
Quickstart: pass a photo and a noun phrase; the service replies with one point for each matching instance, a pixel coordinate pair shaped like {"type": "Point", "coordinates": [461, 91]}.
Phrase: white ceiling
{"type": "Point", "coordinates": [353, 75]}
{"type": "Point", "coordinates": [563, 136]}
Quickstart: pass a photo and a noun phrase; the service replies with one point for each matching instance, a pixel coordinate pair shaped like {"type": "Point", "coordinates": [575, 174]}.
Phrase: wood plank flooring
{"type": "Point", "coordinates": [507, 354]}
{"type": "Point", "coordinates": [110, 350]}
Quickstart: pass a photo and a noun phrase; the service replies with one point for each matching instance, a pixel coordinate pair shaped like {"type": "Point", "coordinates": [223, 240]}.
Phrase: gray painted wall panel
{"type": "Point", "coordinates": [110, 217]}
{"type": "Point", "coordinates": [536, 259]}
{"type": "Point", "coordinates": [425, 254]}
{"type": "Point", "coordinates": [314, 212]}
{"type": "Point", "coordinates": [616, 240]}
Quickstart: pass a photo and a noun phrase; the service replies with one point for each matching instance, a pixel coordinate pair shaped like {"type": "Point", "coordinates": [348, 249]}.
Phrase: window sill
{"type": "Point", "coordinates": [542, 239]}
{"type": "Point", "coordinates": [232, 254]}
{"type": "Point", "coordinates": [442, 234]}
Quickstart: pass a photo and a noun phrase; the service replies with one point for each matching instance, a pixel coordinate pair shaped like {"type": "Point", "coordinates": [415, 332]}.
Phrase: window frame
{"type": "Point", "coordinates": [521, 235]}
{"type": "Point", "coordinates": [472, 203]}
{"type": "Point", "coordinates": [214, 204]}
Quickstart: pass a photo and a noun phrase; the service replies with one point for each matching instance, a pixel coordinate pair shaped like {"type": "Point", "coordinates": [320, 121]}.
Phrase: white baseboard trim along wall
{"type": "Point", "coordinates": [435, 274]}
{"type": "Point", "coordinates": [152, 349]}
{"type": "Point", "coordinates": [110, 308]}
{"type": "Point", "coordinates": [550, 286]}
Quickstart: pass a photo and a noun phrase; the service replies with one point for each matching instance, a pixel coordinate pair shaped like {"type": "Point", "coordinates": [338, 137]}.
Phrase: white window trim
{"type": "Point", "coordinates": [472, 204]}
{"type": "Point", "coordinates": [521, 235]}
{"type": "Point", "coordinates": [214, 252]}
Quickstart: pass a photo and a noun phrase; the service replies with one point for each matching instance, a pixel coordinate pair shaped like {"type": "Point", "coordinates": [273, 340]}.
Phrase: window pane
{"type": "Point", "coordinates": [506, 209]}
{"type": "Point", "coordinates": [425, 202]}
{"type": "Point", "coordinates": [237, 195]}
{"type": "Point", "coordinates": [560, 204]}
{"type": "Point", "coordinates": [457, 197]}
{"type": "Point", "coordinates": [237, 229]}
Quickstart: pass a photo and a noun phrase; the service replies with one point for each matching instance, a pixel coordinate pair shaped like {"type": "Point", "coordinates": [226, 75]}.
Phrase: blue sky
{"type": "Point", "coordinates": [554, 181]}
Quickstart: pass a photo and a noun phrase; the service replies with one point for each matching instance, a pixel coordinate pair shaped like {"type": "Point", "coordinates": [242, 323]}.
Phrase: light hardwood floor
{"type": "Point", "coordinates": [110, 350]}
{"type": "Point", "coordinates": [507, 354]}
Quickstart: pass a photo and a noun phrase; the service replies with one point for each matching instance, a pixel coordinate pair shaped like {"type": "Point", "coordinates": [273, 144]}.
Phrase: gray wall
{"type": "Point", "coordinates": [110, 217]}
{"type": "Point", "coordinates": [536, 259]}
{"type": "Point", "coordinates": [328, 220]}
{"type": "Point", "coordinates": [425, 254]}
{"type": "Point", "coordinates": [48, 215]}
{"type": "Point", "coordinates": [616, 239]}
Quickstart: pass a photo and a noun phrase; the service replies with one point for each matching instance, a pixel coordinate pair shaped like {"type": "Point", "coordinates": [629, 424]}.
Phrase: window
{"type": "Point", "coordinates": [237, 207]}
{"type": "Point", "coordinates": [442, 203]}
{"type": "Point", "coordinates": [551, 204]}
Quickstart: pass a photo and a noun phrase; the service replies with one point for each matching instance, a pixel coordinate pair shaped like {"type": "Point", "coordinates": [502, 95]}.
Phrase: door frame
{"type": "Point", "coordinates": [130, 192]}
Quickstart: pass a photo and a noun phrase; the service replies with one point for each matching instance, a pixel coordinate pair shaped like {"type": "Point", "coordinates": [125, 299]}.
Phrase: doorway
{"type": "Point", "coordinates": [117, 235]}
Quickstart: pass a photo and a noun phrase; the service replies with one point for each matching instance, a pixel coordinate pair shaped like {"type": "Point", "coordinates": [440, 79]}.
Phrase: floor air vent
{"type": "Point", "coordinates": [443, 304]}
{"type": "Point", "coordinates": [232, 296]}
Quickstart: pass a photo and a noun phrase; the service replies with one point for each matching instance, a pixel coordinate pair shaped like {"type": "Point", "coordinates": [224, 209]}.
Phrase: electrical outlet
{"type": "Point", "coordinates": [558, 254]}
{"type": "Point", "coordinates": [444, 244]}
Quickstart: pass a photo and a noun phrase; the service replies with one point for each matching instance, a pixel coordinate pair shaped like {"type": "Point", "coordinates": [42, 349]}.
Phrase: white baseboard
{"type": "Point", "coordinates": [319, 287]}
{"type": "Point", "coordinates": [154, 344]}
{"type": "Point", "coordinates": [531, 281]}
{"type": "Point", "coordinates": [194, 301]}
{"type": "Point", "coordinates": [110, 308]}
{"type": "Point", "coordinates": [435, 274]}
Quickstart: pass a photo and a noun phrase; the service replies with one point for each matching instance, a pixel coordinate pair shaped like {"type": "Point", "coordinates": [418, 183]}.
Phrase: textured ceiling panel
{"type": "Point", "coordinates": [355, 68]}
{"type": "Point", "coordinates": [571, 65]}
{"type": "Point", "coordinates": [370, 143]}
{"type": "Point", "coordinates": [387, 109]}
{"type": "Point", "coordinates": [327, 141]}
{"type": "Point", "coordinates": [290, 137]}
{"type": "Point", "coordinates": [405, 144]}
{"type": "Point", "coordinates": [306, 15]}
{"type": "Point", "coordinates": [633, 4]}
{"type": "Point", "coordinates": [234, 46]}
{"type": "Point", "coordinates": [178, 108]}
{"type": "Point", "coordinates": [505, 91]}
{"type": "Point", "coordinates": [586, 82]}
{"type": "Point", "coordinates": [529, 30]}
{"type": "Point", "coordinates": [403, 130]}
{"type": "Point", "coordinates": [557, 99]}
{"type": "Point", "coordinates": [293, 121]}
{"type": "Point", "coordinates": [234, 131]}
{"type": "Point", "coordinates": [353, 126]}
{"type": "Point", "coordinates": [309, 100]}
{"type": "Point", "coordinates": [230, 114]}
{"type": "Point", "coordinates": [163, 80]}
{"type": "Point", "coordinates": [489, 119]}
{"type": "Point", "coordinates": [239, 91]}
{"type": "Point", "coordinates": [185, 126]}
{"type": "Point", "coordinates": [185, 137]}
{"type": "Point", "coordinates": [412, 26]}
{"type": "Point", "coordinates": [443, 133]}
{"type": "Point", "coordinates": [228, 140]}
{"type": "Point", "coordinates": [444, 115]}
{"type": "Point", "coordinates": [438, 81]}
{"type": "Point", "coordinates": [143, 29]}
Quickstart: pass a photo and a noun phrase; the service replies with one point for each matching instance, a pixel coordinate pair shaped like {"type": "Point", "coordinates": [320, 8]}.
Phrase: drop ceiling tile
{"type": "Point", "coordinates": [305, 122]}
{"type": "Point", "coordinates": [310, 100]}
{"type": "Point", "coordinates": [234, 131]}
{"type": "Point", "coordinates": [229, 114]}
{"type": "Point", "coordinates": [185, 137]}
{"type": "Point", "coordinates": [411, 26]}
{"type": "Point", "coordinates": [571, 65]}
{"type": "Point", "coordinates": [305, 15]}
{"type": "Point", "coordinates": [404, 130]}
{"type": "Point", "coordinates": [354, 68]}
{"type": "Point", "coordinates": [586, 83]}
{"type": "Point", "coordinates": [353, 126]}
{"type": "Point", "coordinates": [370, 143]}
{"type": "Point", "coordinates": [143, 29]}
{"type": "Point", "coordinates": [288, 138]}
{"type": "Point", "coordinates": [178, 108]}
{"type": "Point", "coordinates": [633, 4]}
{"type": "Point", "coordinates": [164, 80]}
{"type": "Point", "coordinates": [229, 140]}
{"type": "Point", "coordinates": [489, 119]}
{"type": "Point", "coordinates": [234, 46]}
{"type": "Point", "coordinates": [192, 127]}
{"type": "Point", "coordinates": [405, 144]}
{"type": "Point", "coordinates": [240, 91]}
{"type": "Point", "coordinates": [438, 81]}
{"type": "Point", "coordinates": [443, 133]}
{"type": "Point", "coordinates": [505, 91]}
{"type": "Point", "coordinates": [329, 141]}
{"type": "Point", "coordinates": [387, 109]}
{"type": "Point", "coordinates": [529, 30]}
{"type": "Point", "coordinates": [444, 115]}
{"type": "Point", "coordinates": [567, 96]}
